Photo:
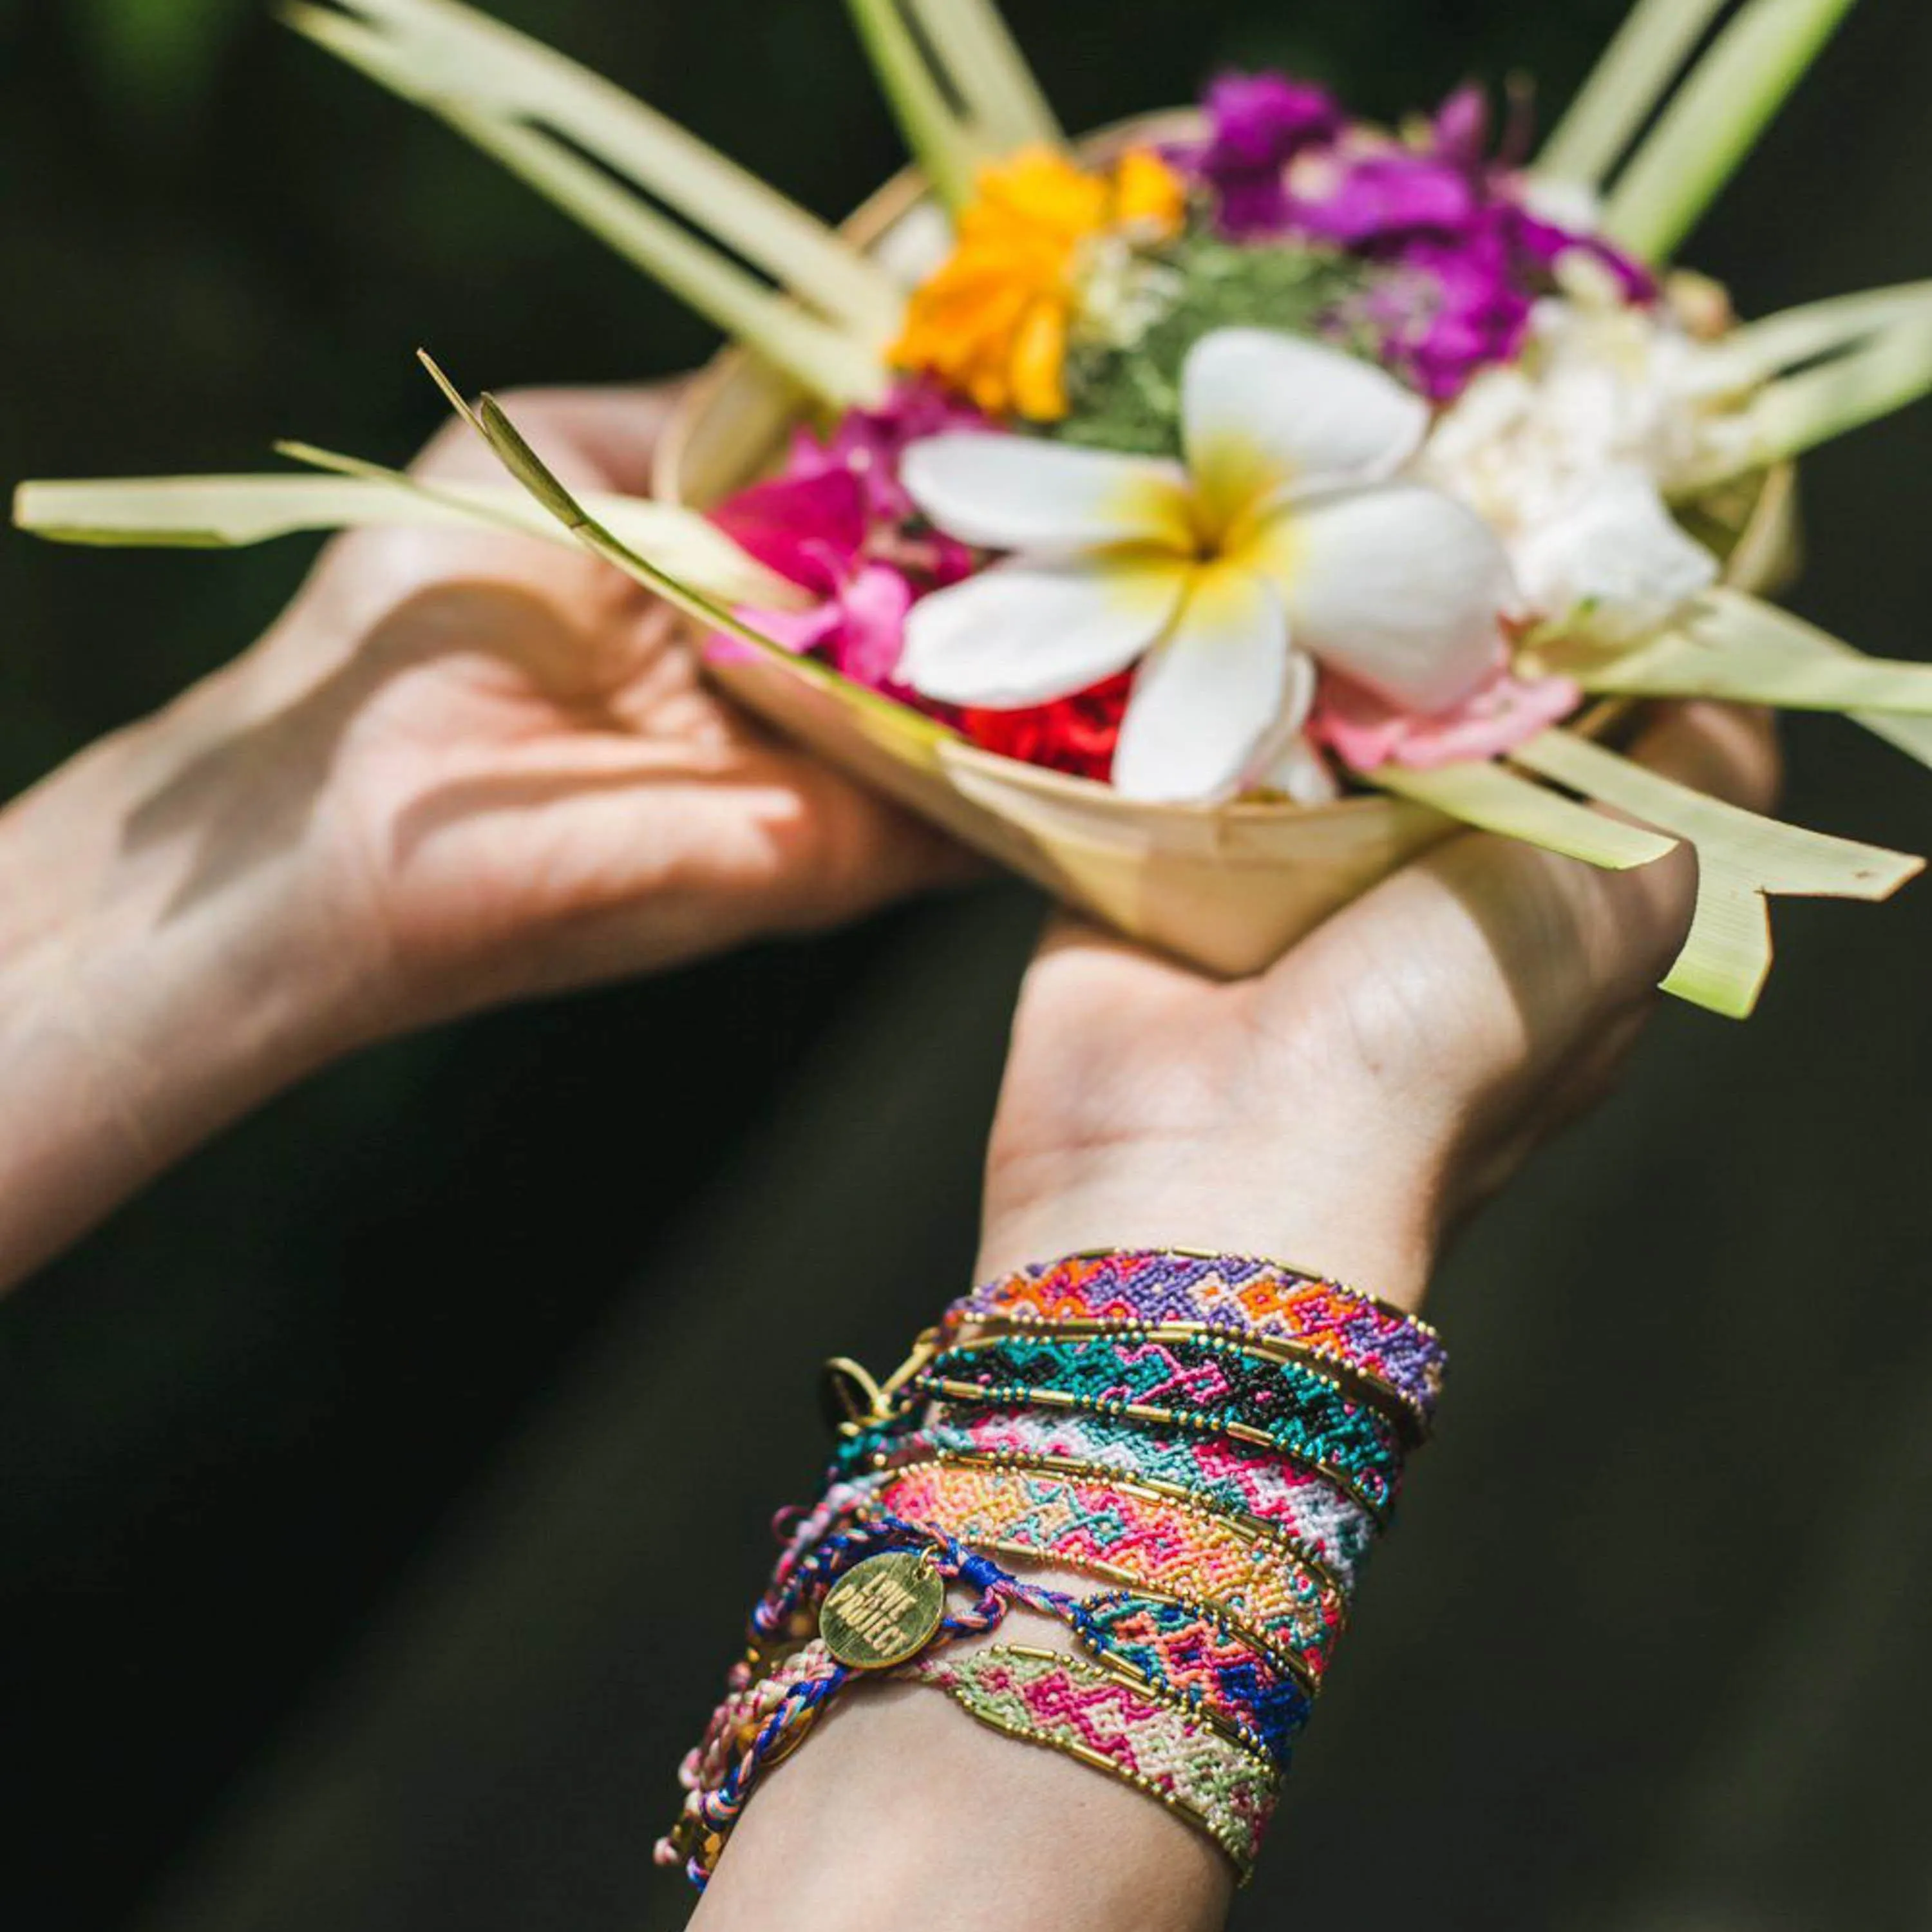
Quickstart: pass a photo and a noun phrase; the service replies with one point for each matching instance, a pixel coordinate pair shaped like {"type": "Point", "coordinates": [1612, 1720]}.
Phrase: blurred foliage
{"type": "Point", "coordinates": [156, 60]}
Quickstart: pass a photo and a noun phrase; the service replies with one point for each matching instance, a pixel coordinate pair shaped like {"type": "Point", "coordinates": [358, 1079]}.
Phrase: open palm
{"type": "Point", "coordinates": [502, 769]}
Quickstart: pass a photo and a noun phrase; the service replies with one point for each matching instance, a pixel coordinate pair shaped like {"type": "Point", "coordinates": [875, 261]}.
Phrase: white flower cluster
{"type": "Point", "coordinates": [1573, 453]}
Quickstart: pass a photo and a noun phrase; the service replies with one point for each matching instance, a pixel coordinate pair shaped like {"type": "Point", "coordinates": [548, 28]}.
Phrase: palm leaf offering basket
{"type": "Point", "coordinates": [1662, 572]}
{"type": "Point", "coordinates": [1228, 886]}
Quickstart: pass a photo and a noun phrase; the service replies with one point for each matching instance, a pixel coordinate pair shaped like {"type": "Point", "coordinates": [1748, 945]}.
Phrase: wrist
{"type": "Point", "coordinates": [1324, 1207]}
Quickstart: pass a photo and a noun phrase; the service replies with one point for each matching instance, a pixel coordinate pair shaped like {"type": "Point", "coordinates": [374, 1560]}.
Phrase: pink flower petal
{"type": "Point", "coordinates": [810, 529]}
{"type": "Point", "coordinates": [1366, 731]}
{"type": "Point", "coordinates": [872, 627]}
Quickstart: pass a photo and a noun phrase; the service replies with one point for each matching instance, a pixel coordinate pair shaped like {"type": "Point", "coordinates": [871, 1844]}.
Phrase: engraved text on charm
{"type": "Point", "coordinates": [883, 1611]}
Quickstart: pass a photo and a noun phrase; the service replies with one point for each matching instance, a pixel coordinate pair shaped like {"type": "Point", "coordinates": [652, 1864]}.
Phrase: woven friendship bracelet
{"type": "Point", "coordinates": [1374, 1341]}
{"type": "Point", "coordinates": [1087, 1713]}
{"type": "Point", "coordinates": [1208, 1386]}
{"type": "Point", "coordinates": [1329, 1528]}
{"type": "Point", "coordinates": [1123, 1533]}
{"type": "Point", "coordinates": [1197, 1661]}
{"type": "Point", "coordinates": [1396, 1409]}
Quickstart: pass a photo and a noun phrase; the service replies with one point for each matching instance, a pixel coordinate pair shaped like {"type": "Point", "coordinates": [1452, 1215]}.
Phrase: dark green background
{"type": "Point", "coordinates": [379, 1496]}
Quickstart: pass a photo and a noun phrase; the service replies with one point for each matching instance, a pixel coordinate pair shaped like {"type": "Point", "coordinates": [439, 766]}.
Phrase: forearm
{"type": "Point", "coordinates": [164, 966]}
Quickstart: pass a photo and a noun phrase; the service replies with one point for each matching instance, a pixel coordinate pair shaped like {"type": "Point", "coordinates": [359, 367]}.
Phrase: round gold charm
{"type": "Point", "coordinates": [883, 1612]}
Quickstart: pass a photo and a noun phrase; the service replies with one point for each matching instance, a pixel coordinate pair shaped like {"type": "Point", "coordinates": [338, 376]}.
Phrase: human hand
{"type": "Point", "coordinates": [1343, 1109]}
{"type": "Point", "coordinates": [461, 769]}
{"type": "Point", "coordinates": [1337, 1111]}
{"type": "Point", "coordinates": [521, 780]}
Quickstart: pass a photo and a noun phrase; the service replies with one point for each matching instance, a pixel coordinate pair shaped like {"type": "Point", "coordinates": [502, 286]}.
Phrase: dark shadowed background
{"type": "Point", "coordinates": [379, 1496]}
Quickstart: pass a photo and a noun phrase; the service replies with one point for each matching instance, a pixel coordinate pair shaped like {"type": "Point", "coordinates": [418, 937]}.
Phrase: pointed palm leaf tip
{"type": "Point", "coordinates": [1289, 534]}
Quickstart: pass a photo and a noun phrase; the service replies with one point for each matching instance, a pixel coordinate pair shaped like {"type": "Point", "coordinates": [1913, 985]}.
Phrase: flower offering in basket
{"type": "Point", "coordinates": [1205, 517]}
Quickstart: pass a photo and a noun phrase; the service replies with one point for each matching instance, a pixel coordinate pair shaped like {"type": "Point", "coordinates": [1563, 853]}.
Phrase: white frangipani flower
{"type": "Point", "coordinates": [1287, 535]}
{"type": "Point", "coordinates": [1571, 454]}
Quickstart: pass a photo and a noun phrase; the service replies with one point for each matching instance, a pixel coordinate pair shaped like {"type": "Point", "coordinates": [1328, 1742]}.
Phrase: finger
{"type": "Point", "coordinates": [1729, 751]}
{"type": "Point", "coordinates": [835, 851]}
{"type": "Point", "coordinates": [1491, 963]}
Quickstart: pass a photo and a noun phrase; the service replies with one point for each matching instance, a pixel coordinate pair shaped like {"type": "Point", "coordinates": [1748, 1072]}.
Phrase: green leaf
{"type": "Point", "coordinates": [1004, 101]}
{"type": "Point", "coordinates": [451, 54]}
{"type": "Point", "coordinates": [541, 115]}
{"type": "Point", "coordinates": [1493, 799]}
{"type": "Point", "coordinates": [1625, 87]}
{"type": "Point", "coordinates": [1733, 646]}
{"type": "Point", "coordinates": [1759, 350]}
{"type": "Point", "coordinates": [1715, 121]}
{"type": "Point", "coordinates": [1776, 652]}
{"type": "Point", "coordinates": [948, 148]}
{"type": "Point", "coordinates": [1815, 373]}
{"type": "Point", "coordinates": [1742, 858]}
{"type": "Point", "coordinates": [1127, 397]}
{"type": "Point", "coordinates": [227, 512]}
{"type": "Point", "coordinates": [222, 512]}
{"type": "Point", "coordinates": [1887, 373]}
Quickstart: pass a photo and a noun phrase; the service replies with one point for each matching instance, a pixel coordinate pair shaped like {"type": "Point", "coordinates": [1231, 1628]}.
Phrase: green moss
{"type": "Point", "coordinates": [1129, 398]}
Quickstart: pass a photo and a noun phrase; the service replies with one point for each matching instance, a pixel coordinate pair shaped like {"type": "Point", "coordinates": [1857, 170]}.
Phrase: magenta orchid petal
{"type": "Point", "coordinates": [810, 529]}
{"type": "Point", "coordinates": [1263, 120]}
{"type": "Point", "coordinates": [1460, 132]}
{"type": "Point", "coordinates": [872, 631]}
{"type": "Point", "coordinates": [1260, 122]}
{"type": "Point", "coordinates": [868, 444]}
{"type": "Point", "coordinates": [1391, 195]}
{"type": "Point", "coordinates": [1545, 243]}
{"type": "Point", "coordinates": [1447, 219]}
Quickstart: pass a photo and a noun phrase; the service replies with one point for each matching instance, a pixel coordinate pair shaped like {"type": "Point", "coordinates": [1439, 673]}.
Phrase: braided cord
{"type": "Point", "coordinates": [1122, 1533]}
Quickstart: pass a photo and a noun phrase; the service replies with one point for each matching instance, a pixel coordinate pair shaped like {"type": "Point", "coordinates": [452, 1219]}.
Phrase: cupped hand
{"type": "Point", "coordinates": [1341, 1110]}
{"type": "Point", "coordinates": [462, 768]}
{"type": "Point", "coordinates": [503, 770]}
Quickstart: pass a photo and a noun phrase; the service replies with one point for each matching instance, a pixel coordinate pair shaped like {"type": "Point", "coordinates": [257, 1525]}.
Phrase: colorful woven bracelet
{"type": "Point", "coordinates": [1088, 1713]}
{"type": "Point", "coordinates": [1122, 1533]}
{"type": "Point", "coordinates": [1394, 1409]}
{"type": "Point", "coordinates": [1327, 1526]}
{"type": "Point", "coordinates": [1404, 1355]}
{"type": "Point", "coordinates": [1197, 1661]}
{"type": "Point", "coordinates": [1210, 1386]}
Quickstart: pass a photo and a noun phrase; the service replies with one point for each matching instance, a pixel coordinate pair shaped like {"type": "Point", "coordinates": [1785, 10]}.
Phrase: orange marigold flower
{"type": "Point", "coordinates": [991, 323]}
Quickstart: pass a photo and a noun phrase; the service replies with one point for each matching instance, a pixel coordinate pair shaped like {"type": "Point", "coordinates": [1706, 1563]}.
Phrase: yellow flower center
{"type": "Point", "coordinates": [1227, 511]}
